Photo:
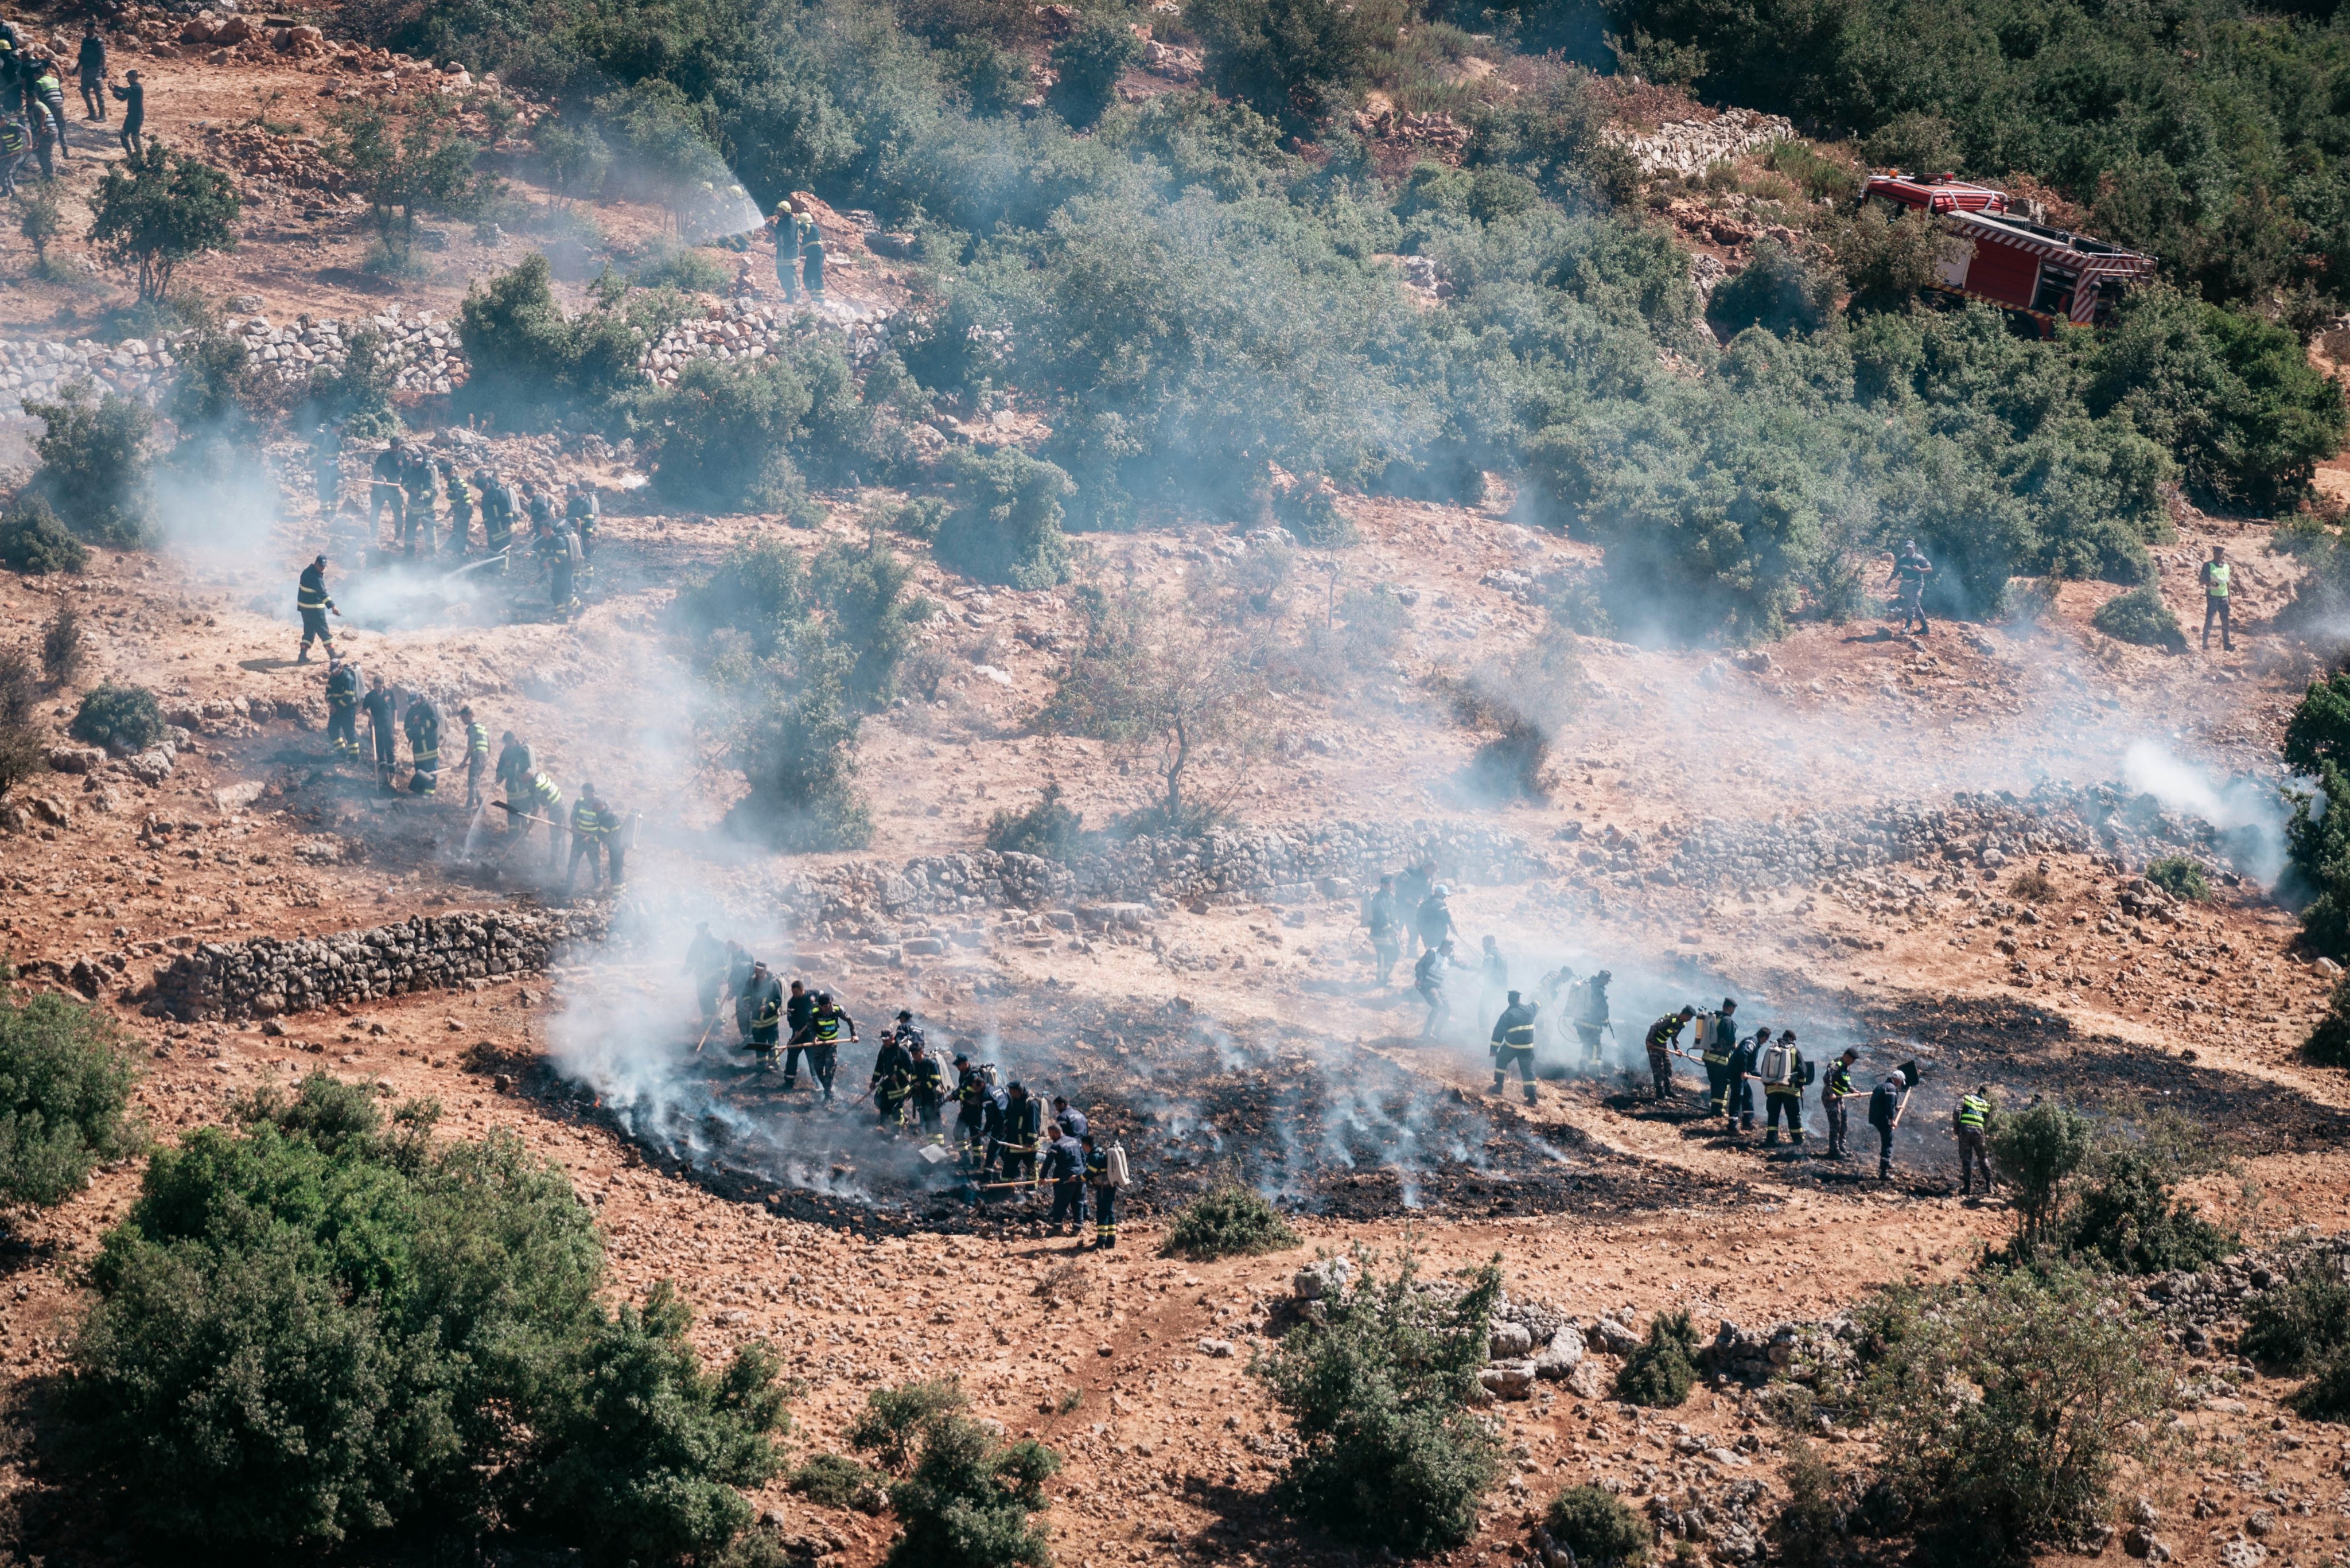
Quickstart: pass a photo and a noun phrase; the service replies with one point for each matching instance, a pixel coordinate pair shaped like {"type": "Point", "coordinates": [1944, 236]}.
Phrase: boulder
{"type": "Point", "coordinates": [1509, 1341]}
{"type": "Point", "coordinates": [1322, 1277]}
{"type": "Point", "coordinates": [1509, 1379]}
{"type": "Point", "coordinates": [1614, 1338]}
{"type": "Point", "coordinates": [1561, 1356]}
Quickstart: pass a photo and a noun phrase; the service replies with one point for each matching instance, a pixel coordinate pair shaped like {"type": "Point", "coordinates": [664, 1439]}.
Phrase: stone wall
{"type": "Point", "coordinates": [271, 975]}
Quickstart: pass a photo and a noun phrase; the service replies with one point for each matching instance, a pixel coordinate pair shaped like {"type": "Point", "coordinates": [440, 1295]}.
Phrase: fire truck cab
{"type": "Point", "coordinates": [1994, 254]}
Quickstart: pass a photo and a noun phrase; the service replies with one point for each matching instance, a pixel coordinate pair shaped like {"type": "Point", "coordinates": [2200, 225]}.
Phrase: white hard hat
{"type": "Point", "coordinates": [1442, 890]}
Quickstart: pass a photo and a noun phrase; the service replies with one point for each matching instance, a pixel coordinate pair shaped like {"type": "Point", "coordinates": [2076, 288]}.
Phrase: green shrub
{"type": "Point", "coordinates": [1293, 60]}
{"type": "Point", "coordinates": [861, 590]}
{"type": "Point", "coordinates": [1225, 1221]}
{"type": "Point", "coordinates": [1376, 621]}
{"type": "Point", "coordinates": [2065, 1389]}
{"type": "Point", "coordinates": [1310, 512]}
{"type": "Point", "coordinates": [2319, 730]}
{"type": "Point", "coordinates": [725, 430]}
{"type": "Point", "coordinates": [891, 1424]}
{"type": "Point", "coordinates": [155, 211]}
{"type": "Point", "coordinates": [993, 80]}
{"type": "Point", "coordinates": [2326, 1396]}
{"type": "Point", "coordinates": [2140, 617]}
{"type": "Point", "coordinates": [835, 1481]}
{"type": "Point", "coordinates": [356, 394]}
{"type": "Point", "coordinates": [2180, 877]}
{"type": "Point", "coordinates": [123, 719]}
{"type": "Point", "coordinates": [24, 748]}
{"type": "Point", "coordinates": [531, 364]}
{"type": "Point", "coordinates": [1087, 63]}
{"type": "Point", "coordinates": [2328, 1044]}
{"type": "Point", "coordinates": [690, 270]}
{"type": "Point", "coordinates": [1776, 291]}
{"type": "Point", "coordinates": [94, 464]}
{"type": "Point", "coordinates": [1006, 524]}
{"type": "Point", "coordinates": [1662, 1369]}
{"type": "Point", "coordinates": [313, 1331]}
{"type": "Point", "coordinates": [1809, 1527]}
{"type": "Point", "coordinates": [1390, 1451]}
{"type": "Point", "coordinates": [2301, 1320]}
{"type": "Point", "coordinates": [1047, 828]}
{"type": "Point", "coordinates": [2127, 1217]}
{"type": "Point", "coordinates": [793, 737]}
{"type": "Point", "coordinates": [2317, 850]}
{"type": "Point", "coordinates": [66, 1075]}
{"type": "Point", "coordinates": [760, 591]}
{"type": "Point", "coordinates": [34, 542]}
{"type": "Point", "coordinates": [2038, 1151]}
{"type": "Point", "coordinates": [963, 1496]}
{"type": "Point", "coordinates": [1598, 1527]}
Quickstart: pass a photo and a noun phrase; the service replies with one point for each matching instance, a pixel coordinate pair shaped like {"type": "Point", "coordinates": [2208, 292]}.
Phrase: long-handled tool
{"type": "Point", "coordinates": [526, 816]}
{"type": "Point", "coordinates": [705, 1035]}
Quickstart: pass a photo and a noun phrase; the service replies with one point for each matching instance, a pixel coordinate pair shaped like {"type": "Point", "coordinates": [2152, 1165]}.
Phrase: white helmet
{"type": "Point", "coordinates": [1442, 891]}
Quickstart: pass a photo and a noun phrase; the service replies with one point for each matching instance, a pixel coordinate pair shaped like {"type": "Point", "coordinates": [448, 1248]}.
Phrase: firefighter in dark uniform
{"type": "Point", "coordinates": [416, 477]}
{"type": "Point", "coordinates": [740, 967]}
{"type": "Point", "coordinates": [1023, 1128]}
{"type": "Point", "coordinates": [1835, 1092]}
{"type": "Point", "coordinates": [1513, 1045]}
{"type": "Point", "coordinates": [893, 1078]}
{"type": "Point", "coordinates": [1884, 1106]}
{"type": "Point", "coordinates": [477, 756]}
{"type": "Point", "coordinates": [423, 726]}
{"type": "Point", "coordinates": [585, 514]}
{"type": "Point", "coordinates": [1972, 1122]}
{"type": "Point", "coordinates": [587, 831]}
{"type": "Point", "coordinates": [546, 803]}
{"type": "Point", "coordinates": [1065, 1167]}
{"type": "Point", "coordinates": [761, 1009]}
{"type": "Point", "coordinates": [310, 599]}
{"type": "Point", "coordinates": [799, 1018]}
{"type": "Point", "coordinates": [1721, 1039]}
{"type": "Point", "coordinates": [1738, 1089]}
{"type": "Point", "coordinates": [384, 492]}
{"type": "Point", "coordinates": [994, 1115]}
{"type": "Point", "coordinates": [1663, 1037]}
{"type": "Point", "coordinates": [971, 1101]}
{"type": "Point", "coordinates": [706, 960]}
{"type": "Point", "coordinates": [461, 507]}
{"type": "Point", "coordinates": [825, 1028]}
{"type": "Point", "coordinates": [1591, 1018]}
{"type": "Point", "coordinates": [517, 765]}
{"type": "Point", "coordinates": [929, 1086]}
{"type": "Point", "coordinates": [381, 709]}
{"type": "Point", "coordinates": [1783, 1098]}
{"type": "Point", "coordinates": [497, 510]}
{"type": "Point", "coordinates": [1105, 1195]}
{"type": "Point", "coordinates": [343, 687]}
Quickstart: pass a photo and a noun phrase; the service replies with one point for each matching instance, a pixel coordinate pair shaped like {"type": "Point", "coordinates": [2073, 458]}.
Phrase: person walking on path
{"type": "Point", "coordinates": [2215, 574]}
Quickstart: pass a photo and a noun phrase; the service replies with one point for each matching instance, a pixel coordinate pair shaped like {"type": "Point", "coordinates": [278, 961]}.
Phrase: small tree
{"type": "Point", "coordinates": [2328, 1044]}
{"type": "Point", "coordinates": [1390, 1450]}
{"type": "Point", "coordinates": [2140, 617]}
{"type": "Point", "coordinates": [575, 157]}
{"type": "Point", "coordinates": [64, 648]}
{"type": "Point", "coordinates": [1006, 524]}
{"type": "Point", "coordinates": [22, 751]}
{"type": "Point", "coordinates": [2319, 730]}
{"type": "Point", "coordinates": [1662, 1370]}
{"type": "Point", "coordinates": [962, 1497]}
{"type": "Point", "coordinates": [41, 220]}
{"type": "Point", "coordinates": [1291, 60]}
{"type": "Point", "coordinates": [159, 208]}
{"type": "Point", "coordinates": [66, 1075]}
{"type": "Point", "coordinates": [93, 453]}
{"type": "Point", "coordinates": [2039, 1150]}
{"type": "Point", "coordinates": [1087, 63]}
{"type": "Point", "coordinates": [1598, 1527]}
{"type": "Point", "coordinates": [32, 540]}
{"type": "Point", "coordinates": [406, 162]}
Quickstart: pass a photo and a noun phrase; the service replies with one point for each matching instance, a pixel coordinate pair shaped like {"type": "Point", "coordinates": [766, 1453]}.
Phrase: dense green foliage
{"type": "Point", "coordinates": [1225, 1221]}
{"type": "Point", "coordinates": [2208, 135]}
{"type": "Point", "coordinates": [159, 210]}
{"type": "Point", "coordinates": [2101, 1190]}
{"type": "Point", "coordinates": [2179, 875]}
{"type": "Point", "coordinates": [2063, 1390]}
{"type": "Point", "coordinates": [2319, 730]}
{"type": "Point", "coordinates": [835, 1481]}
{"type": "Point", "coordinates": [2299, 1320]}
{"type": "Point", "coordinates": [2140, 615]}
{"type": "Point", "coordinates": [529, 361]}
{"type": "Point", "coordinates": [123, 719]}
{"type": "Point", "coordinates": [1048, 829]}
{"type": "Point", "coordinates": [1006, 523]}
{"type": "Point", "coordinates": [1390, 1452]}
{"type": "Point", "coordinates": [24, 742]}
{"type": "Point", "coordinates": [1662, 1369]}
{"type": "Point", "coordinates": [962, 1496]}
{"type": "Point", "coordinates": [312, 1329]}
{"type": "Point", "coordinates": [65, 1087]}
{"type": "Point", "coordinates": [94, 471]}
{"type": "Point", "coordinates": [32, 541]}
{"type": "Point", "coordinates": [1598, 1527]}
{"type": "Point", "coordinates": [2328, 1044]}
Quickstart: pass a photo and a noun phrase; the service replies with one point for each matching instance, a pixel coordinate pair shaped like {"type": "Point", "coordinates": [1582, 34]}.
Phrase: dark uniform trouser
{"type": "Point", "coordinates": [1974, 1149]}
{"type": "Point", "coordinates": [1068, 1202]}
{"type": "Point", "coordinates": [802, 1044]}
{"type": "Point", "coordinates": [926, 1110]}
{"type": "Point", "coordinates": [1387, 950]}
{"type": "Point", "coordinates": [764, 1038]}
{"type": "Point", "coordinates": [1519, 1057]}
{"type": "Point", "coordinates": [2216, 609]}
{"type": "Point", "coordinates": [343, 728]}
{"type": "Point", "coordinates": [1660, 1069]}
{"type": "Point", "coordinates": [474, 789]}
{"type": "Point", "coordinates": [1019, 1164]}
{"type": "Point", "coordinates": [1789, 1104]}
{"type": "Point", "coordinates": [387, 757]}
{"type": "Point", "coordinates": [970, 1132]}
{"type": "Point", "coordinates": [313, 629]}
{"type": "Point", "coordinates": [1884, 1147]}
{"type": "Point", "coordinates": [559, 594]}
{"type": "Point", "coordinates": [1839, 1116]}
{"type": "Point", "coordinates": [1738, 1101]}
{"type": "Point", "coordinates": [705, 992]}
{"type": "Point", "coordinates": [426, 777]}
{"type": "Point", "coordinates": [1438, 1010]}
{"type": "Point", "coordinates": [1717, 1083]}
{"type": "Point", "coordinates": [382, 493]}
{"type": "Point", "coordinates": [1589, 1034]}
{"type": "Point", "coordinates": [1105, 1215]}
{"type": "Point", "coordinates": [823, 1062]}
{"type": "Point", "coordinates": [583, 845]}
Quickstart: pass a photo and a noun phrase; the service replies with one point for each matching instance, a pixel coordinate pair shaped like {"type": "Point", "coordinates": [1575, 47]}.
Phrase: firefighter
{"type": "Point", "coordinates": [740, 967]}
{"type": "Point", "coordinates": [1591, 1015]}
{"type": "Point", "coordinates": [327, 466]}
{"type": "Point", "coordinates": [1017, 1141]}
{"type": "Point", "coordinates": [90, 59]}
{"type": "Point", "coordinates": [2215, 574]}
{"type": "Point", "coordinates": [557, 550]}
{"type": "Point", "coordinates": [343, 706]}
{"type": "Point", "coordinates": [16, 146]}
{"type": "Point", "coordinates": [1513, 1045]}
{"type": "Point", "coordinates": [497, 510]}
{"type": "Point", "coordinates": [1972, 1122]}
{"type": "Point", "coordinates": [1738, 1106]}
{"type": "Point", "coordinates": [1433, 920]}
{"type": "Point", "coordinates": [461, 507]}
{"type": "Point", "coordinates": [382, 708]}
{"type": "Point", "coordinates": [706, 960]}
{"type": "Point", "coordinates": [619, 838]}
{"type": "Point", "coordinates": [1910, 570]}
{"type": "Point", "coordinates": [1428, 979]}
{"type": "Point", "coordinates": [51, 93]}
{"type": "Point", "coordinates": [893, 1078]}
{"type": "Point", "coordinates": [1065, 1167]}
{"type": "Point", "coordinates": [1097, 1176]}
{"type": "Point", "coordinates": [1834, 1091]}
{"type": "Point", "coordinates": [1783, 1072]}
{"type": "Point", "coordinates": [1664, 1037]}
{"type": "Point", "coordinates": [971, 1100]}
{"type": "Point", "coordinates": [1068, 1118]}
{"type": "Point", "coordinates": [786, 223]}
{"type": "Point", "coordinates": [588, 831]}
{"type": "Point", "coordinates": [311, 598]}
{"type": "Point", "coordinates": [384, 494]}
{"type": "Point", "coordinates": [423, 726]}
{"type": "Point", "coordinates": [1384, 919]}
{"type": "Point", "coordinates": [1884, 1107]}
{"type": "Point", "coordinates": [585, 513]}
{"type": "Point", "coordinates": [1412, 891]}
{"type": "Point", "coordinates": [994, 1115]}
{"type": "Point", "coordinates": [929, 1086]}
{"type": "Point", "coordinates": [825, 1025]}
{"type": "Point", "coordinates": [134, 93]}
{"type": "Point", "coordinates": [1718, 1036]}
{"type": "Point", "coordinates": [799, 1018]}
{"type": "Point", "coordinates": [759, 1008]}
{"type": "Point", "coordinates": [417, 474]}
{"type": "Point", "coordinates": [477, 756]}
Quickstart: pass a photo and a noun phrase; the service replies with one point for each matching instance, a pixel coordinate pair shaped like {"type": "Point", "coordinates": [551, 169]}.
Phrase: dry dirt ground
{"type": "Point", "coordinates": [1237, 1028]}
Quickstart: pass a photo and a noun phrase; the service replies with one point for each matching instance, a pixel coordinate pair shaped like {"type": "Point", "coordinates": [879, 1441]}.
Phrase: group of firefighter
{"type": "Point", "coordinates": [406, 483]}
{"type": "Point", "coordinates": [1007, 1139]}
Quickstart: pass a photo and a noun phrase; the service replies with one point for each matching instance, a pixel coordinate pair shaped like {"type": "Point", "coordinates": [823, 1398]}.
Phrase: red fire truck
{"type": "Point", "coordinates": [1997, 254]}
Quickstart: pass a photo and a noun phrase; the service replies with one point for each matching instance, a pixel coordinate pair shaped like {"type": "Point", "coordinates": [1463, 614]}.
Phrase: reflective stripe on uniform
{"type": "Point", "coordinates": [1972, 1111]}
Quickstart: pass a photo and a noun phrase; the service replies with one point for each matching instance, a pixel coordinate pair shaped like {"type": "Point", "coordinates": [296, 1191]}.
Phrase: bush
{"type": "Point", "coordinates": [312, 1331]}
{"type": "Point", "coordinates": [123, 719]}
{"type": "Point", "coordinates": [1048, 829]}
{"type": "Point", "coordinates": [2300, 1321]}
{"type": "Point", "coordinates": [1530, 698]}
{"type": "Point", "coordinates": [1376, 621]}
{"type": "Point", "coordinates": [835, 1481]}
{"type": "Point", "coordinates": [1088, 62]}
{"type": "Point", "coordinates": [155, 211]}
{"type": "Point", "coordinates": [1776, 291]}
{"type": "Point", "coordinates": [356, 394]}
{"type": "Point", "coordinates": [1598, 1527]}
{"type": "Point", "coordinates": [1293, 60]}
{"type": "Point", "coordinates": [688, 271]}
{"type": "Point", "coordinates": [724, 430]}
{"type": "Point", "coordinates": [1309, 511]}
{"type": "Point", "coordinates": [406, 159]}
{"type": "Point", "coordinates": [1006, 524]}
{"type": "Point", "coordinates": [64, 648]}
{"type": "Point", "coordinates": [1228, 1220]}
{"type": "Point", "coordinates": [1389, 1451]}
{"type": "Point", "coordinates": [1809, 1529]}
{"type": "Point", "coordinates": [23, 750]}
{"type": "Point", "coordinates": [2038, 1151]}
{"type": "Point", "coordinates": [2319, 730]}
{"type": "Point", "coordinates": [2065, 1387]}
{"type": "Point", "coordinates": [1661, 1370]}
{"type": "Point", "coordinates": [531, 364]}
{"type": "Point", "coordinates": [2127, 1216]}
{"type": "Point", "coordinates": [861, 591]}
{"type": "Point", "coordinates": [94, 464]}
{"type": "Point", "coordinates": [66, 1075]}
{"type": "Point", "coordinates": [2140, 617]}
{"type": "Point", "coordinates": [963, 1496]}
{"type": "Point", "coordinates": [2326, 1396]}
{"type": "Point", "coordinates": [34, 542]}
{"type": "Point", "coordinates": [2180, 877]}
{"type": "Point", "coordinates": [2032, 885]}
{"type": "Point", "coordinates": [2328, 1044]}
